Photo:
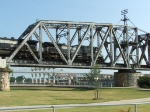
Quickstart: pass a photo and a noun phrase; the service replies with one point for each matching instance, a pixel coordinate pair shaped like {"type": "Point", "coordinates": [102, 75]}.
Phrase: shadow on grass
{"type": "Point", "coordinates": [50, 89]}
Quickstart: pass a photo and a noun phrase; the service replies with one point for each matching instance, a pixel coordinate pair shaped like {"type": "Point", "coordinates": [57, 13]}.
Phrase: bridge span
{"type": "Point", "coordinates": [78, 45]}
{"type": "Point", "coordinates": [68, 44]}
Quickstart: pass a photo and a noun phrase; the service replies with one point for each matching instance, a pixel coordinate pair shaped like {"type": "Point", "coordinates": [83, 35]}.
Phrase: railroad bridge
{"type": "Point", "coordinates": [68, 44]}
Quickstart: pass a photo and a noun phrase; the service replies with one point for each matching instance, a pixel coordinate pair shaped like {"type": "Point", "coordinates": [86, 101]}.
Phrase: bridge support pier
{"type": "Point", "coordinates": [126, 78]}
{"type": "Point", "coordinates": [4, 79]}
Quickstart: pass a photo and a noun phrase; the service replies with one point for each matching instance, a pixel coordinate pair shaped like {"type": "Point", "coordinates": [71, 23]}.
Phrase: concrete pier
{"type": "Point", "coordinates": [4, 79]}
{"type": "Point", "coordinates": [126, 78]}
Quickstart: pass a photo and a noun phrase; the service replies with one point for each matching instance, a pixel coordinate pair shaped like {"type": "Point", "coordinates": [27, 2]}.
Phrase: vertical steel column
{"type": "Point", "coordinates": [115, 45]}
{"type": "Point", "coordinates": [127, 48]}
{"type": "Point", "coordinates": [91, 44]}
{"type": "Point", "coordinates": [40, 43]}
{"type": "Point", "coordinates": [148, 50]}
{"type": "Point", "coordinates": [79, 36]}
{"type": "Point", "coordinates": [57, 35]}
{"type": "Point", "coordinates": [68, 43]}
{"type": "Point", "coordinates": [98, 39]}
{"type": "Point", "coordinates": [111, 49]}
{"type": "Point", "coordinates": [126, 43]}
{"type": "Point", "coordinates": [137, 49]}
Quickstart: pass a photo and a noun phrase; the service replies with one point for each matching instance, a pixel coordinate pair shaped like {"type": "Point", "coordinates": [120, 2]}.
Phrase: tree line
{"type": "Point", "coordinates": [19, 79]}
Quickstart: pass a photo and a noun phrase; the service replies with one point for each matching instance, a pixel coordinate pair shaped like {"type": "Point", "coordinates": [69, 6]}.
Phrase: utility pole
{"type": "Point", "coordinates": [125, 19]}
{"type": "Point", "coordinates": [125, 35]}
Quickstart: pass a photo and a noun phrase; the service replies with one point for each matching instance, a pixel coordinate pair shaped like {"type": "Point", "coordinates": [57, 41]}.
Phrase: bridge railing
{"type": "Point", "coordinates": [54, 107]}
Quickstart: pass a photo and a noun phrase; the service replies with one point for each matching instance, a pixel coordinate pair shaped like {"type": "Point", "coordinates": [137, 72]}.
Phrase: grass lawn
{"type": "Point", "coordinates": [24, 96]}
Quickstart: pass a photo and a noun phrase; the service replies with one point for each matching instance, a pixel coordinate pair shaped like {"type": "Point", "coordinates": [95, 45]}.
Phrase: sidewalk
{"type": "Point", "coordinates": [111, 103]}
{"type": "Point", "coordinates": [127, 101]}
{"type": "Point", "coordinates": [122, 102]}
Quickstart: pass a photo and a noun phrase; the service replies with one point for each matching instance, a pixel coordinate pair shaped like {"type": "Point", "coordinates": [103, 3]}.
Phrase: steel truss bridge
{"type": "Point", "coordinates": [121, 46]}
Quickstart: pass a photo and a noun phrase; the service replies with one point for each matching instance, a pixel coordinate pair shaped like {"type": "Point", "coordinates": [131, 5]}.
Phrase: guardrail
{"type": "Point", "coordinates": [54, 107]}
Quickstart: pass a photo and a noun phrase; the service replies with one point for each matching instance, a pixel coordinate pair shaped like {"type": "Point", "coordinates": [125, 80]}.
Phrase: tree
{"type": "Point", "coordinates": [28, 80]}
{"type": "Point", "coordinates": [94, 78]}
{"type": "Point", "coordinates": [12, 79]}
{"type": "Point", "coordinates": [19, 79]}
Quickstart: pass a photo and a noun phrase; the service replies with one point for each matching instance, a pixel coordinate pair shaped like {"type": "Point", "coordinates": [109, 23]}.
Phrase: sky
{"type": "Point", "coordinates": [16, 15]}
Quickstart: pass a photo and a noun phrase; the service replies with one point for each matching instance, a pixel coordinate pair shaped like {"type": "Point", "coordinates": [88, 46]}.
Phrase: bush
{"type": "Point", "coordinates": [144, 82]}
{"type": "Point", "coordinates": [144, 86]}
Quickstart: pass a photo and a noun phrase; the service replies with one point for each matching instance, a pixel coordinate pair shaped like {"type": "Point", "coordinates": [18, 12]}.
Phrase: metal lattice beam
{"type": "Point", "coordinates": [118, 45]}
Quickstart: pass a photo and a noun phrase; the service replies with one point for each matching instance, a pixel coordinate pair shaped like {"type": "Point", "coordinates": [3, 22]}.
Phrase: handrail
{"type": "Point", "coordinates": [54, 107]}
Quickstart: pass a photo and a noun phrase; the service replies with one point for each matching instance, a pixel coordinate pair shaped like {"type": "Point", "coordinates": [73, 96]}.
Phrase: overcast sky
{"type": "Point", "coordinates": [16, 15]}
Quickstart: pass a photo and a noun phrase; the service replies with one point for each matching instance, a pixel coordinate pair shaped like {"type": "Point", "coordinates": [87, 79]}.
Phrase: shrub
{"type": "Point", "coordinates": [144, 82]}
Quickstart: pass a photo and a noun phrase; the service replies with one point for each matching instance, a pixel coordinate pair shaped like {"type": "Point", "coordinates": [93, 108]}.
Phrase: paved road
{"type": "Point", "coordinates": [37, 107]}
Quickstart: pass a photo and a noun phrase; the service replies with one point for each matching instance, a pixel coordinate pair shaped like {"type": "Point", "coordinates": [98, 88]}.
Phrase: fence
{"type": "Point", "coordinates": [54, 107]}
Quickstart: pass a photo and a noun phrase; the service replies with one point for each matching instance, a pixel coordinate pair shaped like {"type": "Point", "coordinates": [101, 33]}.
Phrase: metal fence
{"type": "Point", "coordinates": [54, 107]}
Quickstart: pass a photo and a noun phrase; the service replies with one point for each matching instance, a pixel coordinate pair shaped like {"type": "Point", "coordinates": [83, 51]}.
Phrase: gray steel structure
{"type": "Point", "coordinates": [122, 46]}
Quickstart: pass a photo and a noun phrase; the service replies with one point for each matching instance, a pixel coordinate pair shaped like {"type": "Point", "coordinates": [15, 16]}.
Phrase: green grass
{"type": "Point", "coordinates": [27, 96]}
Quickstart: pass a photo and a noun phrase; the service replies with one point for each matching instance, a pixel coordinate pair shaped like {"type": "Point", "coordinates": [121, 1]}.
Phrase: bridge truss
{"type": "Point", "coordinates": [120, 46]}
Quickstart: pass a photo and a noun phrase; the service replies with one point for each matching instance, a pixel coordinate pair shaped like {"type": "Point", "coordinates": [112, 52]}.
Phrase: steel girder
{"type": "Point", "coordinates": [121, 46]}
